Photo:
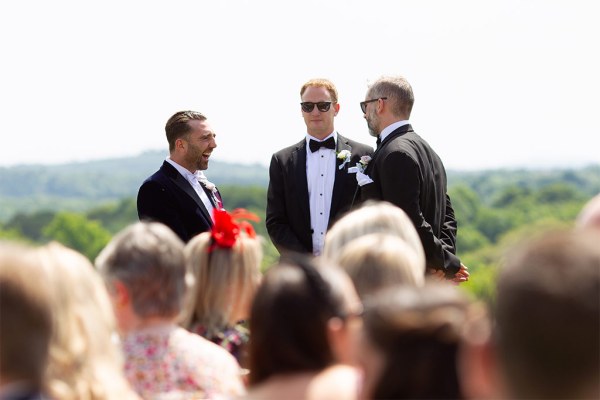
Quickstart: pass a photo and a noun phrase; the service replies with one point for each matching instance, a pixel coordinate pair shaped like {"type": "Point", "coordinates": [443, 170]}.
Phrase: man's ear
{"type": "Point", "coordinates": [120, 293]}
{"type": "Point", "coordinates": [479, 370]}
{"type": "Point", "coordinates": [179, 144]}
{"type": "Point", "coordinates": [336, 108]}
{"type": "Point", "coordinates": [336, 335]}
{"type": "Point", "coordinates": [335, 326]}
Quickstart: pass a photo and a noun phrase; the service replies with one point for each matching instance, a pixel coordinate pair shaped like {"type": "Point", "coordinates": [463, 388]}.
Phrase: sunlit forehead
{"type": "Point", "coordinates": [316, 94]}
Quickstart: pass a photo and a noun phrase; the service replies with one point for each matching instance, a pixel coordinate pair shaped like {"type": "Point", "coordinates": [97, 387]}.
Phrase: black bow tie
{"type": "Point", "coordinates": [378, 141]}
{"type": "Point", "coordinates": [328, 144]}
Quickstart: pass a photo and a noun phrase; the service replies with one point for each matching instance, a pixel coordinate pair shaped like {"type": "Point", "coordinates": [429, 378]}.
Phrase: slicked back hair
{"type": "Point", "coordinates": [178, 125]}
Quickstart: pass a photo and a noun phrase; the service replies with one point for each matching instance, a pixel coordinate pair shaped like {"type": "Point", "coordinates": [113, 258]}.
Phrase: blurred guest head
{"type": "Point", "coordinates": [144, 266]}
{"type": "Point", "coordinates": [148, 281]}
{"type": "Point", "coordinates": [548, 317]}
{"type": "Point", "coordinates": [411, 340]}
{"type": "Point", "coordinates": [226, 272]}
{"type": "Point", "coordinates": [372, 217]}
{"type": "Point", "coordinates": [296, 315]}
{"type": "Point", "coordinates": [25, 323]}
{"type": "Point", "coordinates": [589, 216]}
{"type": "Point", "coordinates": [379, 260]}
{"type": "Point", "coordinates": [85, 360]}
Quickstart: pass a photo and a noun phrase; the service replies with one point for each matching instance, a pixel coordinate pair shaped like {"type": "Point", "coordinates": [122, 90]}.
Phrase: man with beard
{"type": "Point", "coordinates": [405, 171]}
{"type": "Point", "coordinates": [178, 194]}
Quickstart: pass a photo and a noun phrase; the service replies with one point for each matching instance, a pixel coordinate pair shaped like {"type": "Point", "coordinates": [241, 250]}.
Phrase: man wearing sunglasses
{"type": "Point", "coordinates": [309, 183]}
{"type": "Point", "coordinates": [407, 172]}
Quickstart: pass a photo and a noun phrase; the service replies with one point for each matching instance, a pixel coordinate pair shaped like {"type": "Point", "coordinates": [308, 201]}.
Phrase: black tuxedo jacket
{"type": "Point", "coordinates": [288, 210]}
{"type": "Point", "coordinates": [169, 198]}
{"type": "Point", "coordinates": [408, 173]}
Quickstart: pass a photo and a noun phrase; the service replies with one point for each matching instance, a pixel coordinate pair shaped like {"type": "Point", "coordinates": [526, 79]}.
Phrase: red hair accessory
{"type": "Point", "coordinates": [227, 227]}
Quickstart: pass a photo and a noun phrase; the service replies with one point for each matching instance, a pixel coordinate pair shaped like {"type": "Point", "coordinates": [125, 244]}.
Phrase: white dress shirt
{"type": "Point", "coordinates": [193, 180]}
{"type": "Point", "coordinates": [320, 174]}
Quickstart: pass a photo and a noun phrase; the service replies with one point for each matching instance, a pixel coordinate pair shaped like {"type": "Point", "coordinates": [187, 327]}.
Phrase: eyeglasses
{"type": "Point", "coordinates": [363, 104]}
{"type": "Point", "coordinates": [322, 106]}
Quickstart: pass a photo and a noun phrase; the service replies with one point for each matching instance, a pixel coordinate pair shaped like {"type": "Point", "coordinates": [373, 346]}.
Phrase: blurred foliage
{"type": "Point", "coordinates": [495, 209]}
{"type": "Point", "coordinates": [78, 232]}
{"type": "Point", "coordinates": [115, 216]}
{"type": "Point", "coordinates": [94, 182]}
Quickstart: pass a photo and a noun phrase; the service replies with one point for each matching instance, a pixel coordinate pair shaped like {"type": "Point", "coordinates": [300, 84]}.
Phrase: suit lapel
{"type": "Point", "coordinates": [338, 183]}
{"type": "Point", "coordinates": [299, 170]}
{"type": "Point", "coordinates": [209, 194]}
{"type": "Point", "coordinates": [184, 185]}
{"type": "Point", "coordinates": [396, 133]}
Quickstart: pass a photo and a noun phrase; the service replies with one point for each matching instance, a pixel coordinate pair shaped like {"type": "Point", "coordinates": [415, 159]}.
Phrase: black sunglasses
{"type": "Point", "coordinates": [322, 106]}
{"type": "Point", "coordinates": [363, 104]}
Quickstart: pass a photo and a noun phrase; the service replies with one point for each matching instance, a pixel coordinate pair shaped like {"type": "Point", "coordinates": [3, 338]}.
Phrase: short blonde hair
{"type": "Point", "coordinates": [224, 279]}
{"type": "Point", "coordinates": [379, 260]}
{"type": "Point", "coordinates": [85, 361]}
{"type": "Point", "coordinates": [371, 217]}
{"type": "Point", "coordinates": [324, 83]}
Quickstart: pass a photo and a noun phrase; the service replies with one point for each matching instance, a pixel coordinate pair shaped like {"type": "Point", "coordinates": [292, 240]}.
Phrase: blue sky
{"type": "Point", "coordinates": [497, 83]}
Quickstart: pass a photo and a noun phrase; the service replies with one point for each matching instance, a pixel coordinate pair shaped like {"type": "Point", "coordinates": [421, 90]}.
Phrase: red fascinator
{"type": "Point", "coordinates": [227, 226]}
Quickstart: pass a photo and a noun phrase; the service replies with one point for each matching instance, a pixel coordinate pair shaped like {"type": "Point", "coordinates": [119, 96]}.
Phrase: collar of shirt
{"type": "Point", "coordinates": [309, 137]}
{"type": "Point", "coordinates": [183, 171]}
{"type": "Point", "coordinates": [193, 180]}
{"type": "Point", "coordinates": [391, 128]}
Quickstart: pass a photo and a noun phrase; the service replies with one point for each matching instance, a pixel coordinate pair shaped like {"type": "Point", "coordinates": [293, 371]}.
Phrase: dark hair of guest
{"type": "Point", "coordinates": [289, 320]}
{"type": "Point", "coordinates": [418, 330]}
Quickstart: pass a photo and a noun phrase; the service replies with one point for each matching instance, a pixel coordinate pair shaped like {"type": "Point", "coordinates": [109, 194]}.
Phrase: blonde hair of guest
{"type": "Point", "coordinates": [379, 260]}
{"type": "Point", "coordinates": [371, 217]}
{"type": "Point", "coordinates": [85, 361]}
{"type": "Point", "coordinates": [26, 320]}
{"type": "Point", "coordinates": [225, 281]}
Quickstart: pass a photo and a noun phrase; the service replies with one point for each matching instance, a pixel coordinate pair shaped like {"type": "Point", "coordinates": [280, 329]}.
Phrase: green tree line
{"type": "Point", "coordinates": [493, 211]}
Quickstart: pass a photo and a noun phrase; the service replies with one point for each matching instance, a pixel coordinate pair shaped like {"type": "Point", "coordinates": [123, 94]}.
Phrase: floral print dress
{"type": "Point", "coordinates": [233, 339]}
{"type": "Point", "coordinates": [167, 361]}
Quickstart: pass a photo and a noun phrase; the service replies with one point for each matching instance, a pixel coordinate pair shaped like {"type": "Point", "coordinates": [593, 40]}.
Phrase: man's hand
{"type": "Point", "coordinates": [462, 275]}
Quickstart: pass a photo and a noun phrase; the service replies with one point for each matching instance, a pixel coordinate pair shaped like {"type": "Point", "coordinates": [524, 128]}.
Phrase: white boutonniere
{"type": "Point", "coordinates": [361, 165]}
{"type": "Point", "coordinates": [205, 182]}
{"type": "Point", "coordinates": [210, 186]}
{"type": "Point", "coordinates": [344, 155]}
